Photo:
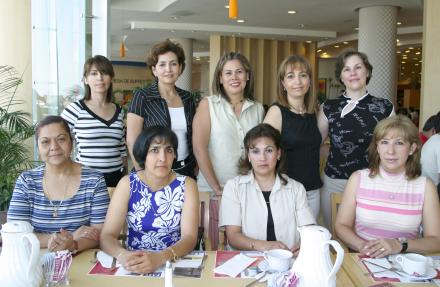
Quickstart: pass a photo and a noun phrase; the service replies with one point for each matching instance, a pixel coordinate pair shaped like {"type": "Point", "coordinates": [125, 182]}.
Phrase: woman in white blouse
{"type": "Point", "coordinates": [261, 208]}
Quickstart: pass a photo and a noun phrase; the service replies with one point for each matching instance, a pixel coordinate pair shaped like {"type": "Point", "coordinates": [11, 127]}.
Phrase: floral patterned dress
{"type": "Point", "coordinates": [153, 218]}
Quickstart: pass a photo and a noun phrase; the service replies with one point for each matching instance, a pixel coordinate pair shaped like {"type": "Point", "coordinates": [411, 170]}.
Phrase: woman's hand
{"type": "Point", "coordinates": [86, 232]}
{"type": "Point", "coordinates": [61, 241]}
{"type": "Point", "coordinates": [295, 249]}
{"type": "Point", "coordinates": [141, 262]}
{"type": "Point", "coordinates": [379, 248]}
{"type": "Point", "coordinates": [269, 245]}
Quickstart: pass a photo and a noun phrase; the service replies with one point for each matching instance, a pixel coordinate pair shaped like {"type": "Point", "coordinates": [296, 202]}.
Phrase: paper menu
{"type": "Point", "coordinates": [224, 255]}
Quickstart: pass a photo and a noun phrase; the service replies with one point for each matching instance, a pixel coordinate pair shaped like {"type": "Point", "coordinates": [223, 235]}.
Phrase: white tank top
{"type": "Point", "coordinates": [226, 140]}
{"type": "Point", "coordinates": [178, 125]}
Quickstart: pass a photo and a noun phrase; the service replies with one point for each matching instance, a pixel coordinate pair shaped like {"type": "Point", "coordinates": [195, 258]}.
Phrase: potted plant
{"type": "Point", "coordinates": [15, 128]}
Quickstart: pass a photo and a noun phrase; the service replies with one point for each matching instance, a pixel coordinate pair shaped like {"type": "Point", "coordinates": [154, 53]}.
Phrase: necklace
{"type": "Point", "coordinates": [55, 207]}
{"type": "Point", "coordinates": [300, 110]}
{"type": "Point", "coordinates": [237, 106]}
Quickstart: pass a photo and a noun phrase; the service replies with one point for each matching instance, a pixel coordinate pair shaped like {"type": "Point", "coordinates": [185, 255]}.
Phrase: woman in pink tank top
{"type": "Point", "coordinates": [390, 208]}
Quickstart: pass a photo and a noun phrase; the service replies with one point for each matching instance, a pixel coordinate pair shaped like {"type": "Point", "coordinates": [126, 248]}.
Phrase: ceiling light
{"type": "Point", "coordinates": [227, 6]}
{"type": "Point", "coordinates": [197, 59]}
{"type": "Point", "coordinates": [398, 52]}
{"type": "Point", "coordinates": [403, 62]}
{"type": "Point", "coordinates": [410, 48]}
{"type": "Point", "coordinates": [319, 51]}
{"type": "Point", "coordinates": [417, 53]}
{"type": "Point", "coordinates": [336, 46]}
{"type": "Point", "coordinates": [241, 21]}
{"type": "Point", "coordinates": [308, 42]}
{"type": "Point", "coordinates": [416, 64]}
{"type": "Point", "coordinates": [345, 42]}
{"type": "Point", "coordinates": [397, 40]}
{"type": "Point", "coordinates": [291, 12]}
{"type": "Point", "coordinates": [420, 61]}
{"type": "Point", "coordinates": [357, 28]}
{"type": "Point", "coordinates": [399, 23]}
{"type": "Point", "coordinates": [407, 51]}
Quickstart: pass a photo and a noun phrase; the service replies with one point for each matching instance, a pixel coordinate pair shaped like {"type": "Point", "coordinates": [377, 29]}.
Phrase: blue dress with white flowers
{"type": "Point", "coordinates": [153, 218]}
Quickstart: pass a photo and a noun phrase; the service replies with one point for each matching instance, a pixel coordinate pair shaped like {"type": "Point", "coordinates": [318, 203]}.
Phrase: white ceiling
{"type": "Point", "coordinates": [324, 21]}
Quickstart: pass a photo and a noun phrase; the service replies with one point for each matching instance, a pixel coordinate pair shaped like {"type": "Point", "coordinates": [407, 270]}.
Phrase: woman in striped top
{"type": "Point", "coordinates": [65, 202]}
{"type": "Point", "coordinates": [384, 207]}
{"type": "Point", "coordinates": [98, 124]}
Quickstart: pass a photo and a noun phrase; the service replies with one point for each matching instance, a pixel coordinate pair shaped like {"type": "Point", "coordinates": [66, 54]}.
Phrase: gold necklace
{"type": "Point", "coordinates": [55, 207]}
{"type": "Point", "coordinates": [299, 111]}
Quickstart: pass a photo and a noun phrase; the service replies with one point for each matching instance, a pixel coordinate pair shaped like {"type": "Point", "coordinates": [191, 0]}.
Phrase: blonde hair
{"type": "Point", "coordinates": [409, 133]}
{"type": "Point", "coordinates": [309, 97]}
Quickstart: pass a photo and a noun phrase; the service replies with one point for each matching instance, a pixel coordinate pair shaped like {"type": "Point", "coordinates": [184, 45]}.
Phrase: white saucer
{"type": "Point", "coordinates": [264, 266]}
{"type": "Point", "coordinates": [430, 273]}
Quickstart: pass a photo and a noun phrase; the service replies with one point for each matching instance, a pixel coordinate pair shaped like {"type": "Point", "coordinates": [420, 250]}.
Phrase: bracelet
{"type": "Point", "coordinates": [175, 257]}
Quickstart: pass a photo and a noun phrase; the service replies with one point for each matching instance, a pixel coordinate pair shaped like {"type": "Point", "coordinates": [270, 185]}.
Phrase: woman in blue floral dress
{"type": "Point", "coordinates": [159, 206]}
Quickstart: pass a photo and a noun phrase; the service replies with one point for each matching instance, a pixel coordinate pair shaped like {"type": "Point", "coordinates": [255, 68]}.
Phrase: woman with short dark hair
{"type": "Point", "coordinates": [64, 201]}
{"type": "Point", "coordinates": [349, 121]}
{"type": "Point", "coordinates": [164, 104]}
{"type": "Point", "coordinates": [97, 123]}
{"type": "Point", "coordinates": [160, 207]}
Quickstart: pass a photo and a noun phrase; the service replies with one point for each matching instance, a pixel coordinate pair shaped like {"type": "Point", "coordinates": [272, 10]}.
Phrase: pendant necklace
{"type": "Point", "coordinates": [236, 105]}
{"type": "Point", "coordinates": [55, 207]}
{"type": "Point", "coordinates": [299, 111]}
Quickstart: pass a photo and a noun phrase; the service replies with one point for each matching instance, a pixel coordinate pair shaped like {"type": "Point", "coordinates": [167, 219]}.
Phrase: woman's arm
{"type": "Point", "coordinates": [144, 262]}
{"type": "Point", "coordinates": [201, 136]}
{"type": "Point", "coordinates": [322, 123]}
{"type": "Point", "coordinates": [344, 224]}
{"type": "Point", "coordinates": [274, 118]}
{"type": "Point", "coordinates": [134, 128]}
{"type": "Point", "coordinates": [237, 240]}
{"type": "Point", "coordinates": [114, 221]}
{"type": "Point", "coordinates": [85, 237]}
{"type": "Point", "coordinates": [431, 223]}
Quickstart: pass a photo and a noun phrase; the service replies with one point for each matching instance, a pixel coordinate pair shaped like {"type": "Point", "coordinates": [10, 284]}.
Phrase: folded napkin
{"type": "Point", "coordinates": [106, 260]}
{"type": "Point", "coordinates": [235, 265]}
{"type": "Point", "coordinates": [382, 262]}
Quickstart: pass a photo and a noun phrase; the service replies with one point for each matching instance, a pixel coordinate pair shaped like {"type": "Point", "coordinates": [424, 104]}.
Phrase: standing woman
{"type": "Point", "coordinates": [294, 115]}
{"type": "Point", "coordinates": [164, 104]}
{"type": "Point", "coordinates": [98, 124]}
{"type": "Point", "coordinates": [220, 124]}
{"type": "Point", "coordinates": [349, 121]}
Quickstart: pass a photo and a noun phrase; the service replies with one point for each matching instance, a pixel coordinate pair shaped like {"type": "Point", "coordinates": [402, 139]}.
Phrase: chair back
{"type": "Point", "coordinates": [336, 198]}
{"type": "Point", "coordinates": [203, 229]}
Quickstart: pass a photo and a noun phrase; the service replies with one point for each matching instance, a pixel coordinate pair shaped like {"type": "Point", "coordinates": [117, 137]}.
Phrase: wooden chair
{"type": "Point", "coordinates": [204, 220]}
{"type": "Point", "coordinates": [336, 198]}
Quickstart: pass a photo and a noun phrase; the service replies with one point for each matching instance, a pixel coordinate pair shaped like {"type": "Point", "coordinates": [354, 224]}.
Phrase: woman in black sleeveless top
{"type": "Point", "coordinates": [294, 115]}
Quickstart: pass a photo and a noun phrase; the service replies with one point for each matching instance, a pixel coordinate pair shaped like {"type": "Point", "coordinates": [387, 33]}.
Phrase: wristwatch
{"type": "Point", "coordinates": [404, 243]}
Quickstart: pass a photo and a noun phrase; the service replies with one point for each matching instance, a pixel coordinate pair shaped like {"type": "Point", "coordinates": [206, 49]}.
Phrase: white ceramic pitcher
{"type": "Point", "coordinates": [314, 265]}
{"type": "Point", "coordinates": [20, 257]}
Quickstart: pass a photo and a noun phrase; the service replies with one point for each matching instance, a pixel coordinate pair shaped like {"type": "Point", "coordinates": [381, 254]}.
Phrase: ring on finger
{"type": "Point", "coordinates": [382, 249]}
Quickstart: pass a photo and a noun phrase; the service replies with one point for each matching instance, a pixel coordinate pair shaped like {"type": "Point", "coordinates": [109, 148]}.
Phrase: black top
{"type": "Point", "coordinates": [351, 135]}
{"type": "Point", "coordinates": [270, 226]}
{"type": "Point", "coordinates": [301, 140]}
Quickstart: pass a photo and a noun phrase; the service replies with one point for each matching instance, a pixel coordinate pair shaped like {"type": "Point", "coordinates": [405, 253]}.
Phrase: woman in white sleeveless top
{"type": "Point", "coordinates": [219, 126]}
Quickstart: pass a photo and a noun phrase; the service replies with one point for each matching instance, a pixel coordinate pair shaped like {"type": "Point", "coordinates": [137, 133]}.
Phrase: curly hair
{"type": "Point", "coordinates": [409, 133]}
{"type": "Point", "coordinates": [165, 47]}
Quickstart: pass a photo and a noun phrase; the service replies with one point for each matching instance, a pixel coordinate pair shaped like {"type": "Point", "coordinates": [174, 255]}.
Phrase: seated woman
{"type": "Point", "coordinates": [64, 201]}
{"type": "Point", "coordinates": [384, 206]}
{"type": "Point", "coordinates": [160, 207]}
{"type": "Point", "coordinates": [261, 208]}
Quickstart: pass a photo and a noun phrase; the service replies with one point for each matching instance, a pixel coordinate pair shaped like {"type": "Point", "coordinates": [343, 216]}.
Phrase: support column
{"type": "Point", "coordinates": [377, 38]}
{"type": "Point", "coordinates": [430, 95]}
{"type": "Point", "coordinates": [185, 79]}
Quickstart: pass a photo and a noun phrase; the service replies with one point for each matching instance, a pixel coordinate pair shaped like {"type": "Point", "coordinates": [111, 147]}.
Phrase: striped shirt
{"type": "Point", "coordinates": [100, 143]}
{"type": "Point", "coordinates": [88, 205]}
{"type": "Point", "coordinates": [148, 104]}
{"type": "Point", "coordinates": [389, 206]}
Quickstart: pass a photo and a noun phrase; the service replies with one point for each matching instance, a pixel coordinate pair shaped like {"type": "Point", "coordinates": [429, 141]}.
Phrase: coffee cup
{"type": "Point", "coordinates": [413, 264]}
{"type": "Point", "coordinates": [278, 259]}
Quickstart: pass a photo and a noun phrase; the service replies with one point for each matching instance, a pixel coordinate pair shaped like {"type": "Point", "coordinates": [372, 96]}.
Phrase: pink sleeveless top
{"type": "Point", "coordinates": [389, 206]}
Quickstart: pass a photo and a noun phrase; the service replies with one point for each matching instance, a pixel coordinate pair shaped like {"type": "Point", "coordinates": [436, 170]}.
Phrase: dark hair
{"type": "Point", "coordinates": [340, 64]}
{"type": "Point", "coordinates": [261, 131]}
{"type": "Point", "coordinates": [296, 61]}
{"type": "Point", "coordinates": [217, 87]}
{"type": "Point", "coordinates": [105, 67]}
{"type": "Point", "coordinates": [165, 47]}
{"type": "Point", "coordinates": [51, 119]}
{"type": "Point", "coordinates": [432, 122]}
{"type": "Point", "coordinates": [409, 133]}
{"type": "Point", "coordinates": [147, 136]}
